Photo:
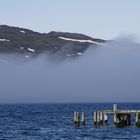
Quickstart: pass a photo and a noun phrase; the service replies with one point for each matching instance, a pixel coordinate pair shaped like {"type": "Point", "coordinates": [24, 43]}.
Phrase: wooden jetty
{"type": "Point", "coordinates": [122, 118]}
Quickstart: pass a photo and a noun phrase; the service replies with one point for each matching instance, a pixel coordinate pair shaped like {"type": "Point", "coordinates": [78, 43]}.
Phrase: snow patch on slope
{"type": "Point", "coordinates": [32, 50]}
{"type": "Point", "coordinates": [80, 40]}
{"type": "Point", "coordinates": [22, 31]}
{"type": "Point", "coordinates": [4, 40]}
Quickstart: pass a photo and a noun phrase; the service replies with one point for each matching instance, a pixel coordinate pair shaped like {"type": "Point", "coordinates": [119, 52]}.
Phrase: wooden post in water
{"type": "Point", "coordinates": [115, 118]}
{"type": "Point", "coordinates": [83, 118]}
{"type": "Point", "coordinates": [101, 117]}
{"type": "Point", "coordinates": [129, 119]}
{"type": "Point", "coordinates": [115, 108]}
{"type": "Point", "coordinates": [105, 119]}
{"type": "Point", "coordinates": [95, 118]}
{"type": "Point", "coordinates": [137, 120]}
{"type": "Point", "coordinates": [76, 118]}
{"type": "Point", "coordinates": [98, 118]}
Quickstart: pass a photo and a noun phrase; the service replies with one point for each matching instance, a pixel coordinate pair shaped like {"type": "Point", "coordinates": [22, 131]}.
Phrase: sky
{"type": "Point", "coordinates": [97, 18]}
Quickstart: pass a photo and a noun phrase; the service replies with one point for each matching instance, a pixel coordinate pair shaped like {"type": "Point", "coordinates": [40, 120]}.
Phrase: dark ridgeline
{"type": "Point", "coordinates": [30, 43]}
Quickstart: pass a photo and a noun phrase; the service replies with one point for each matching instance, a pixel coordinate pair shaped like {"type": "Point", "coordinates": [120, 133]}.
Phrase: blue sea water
{"type": "Point", "coordinates": [55, 122]}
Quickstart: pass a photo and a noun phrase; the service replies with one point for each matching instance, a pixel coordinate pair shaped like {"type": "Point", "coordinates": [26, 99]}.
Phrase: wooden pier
{"type": "Point", "coordinates": [122, 118]}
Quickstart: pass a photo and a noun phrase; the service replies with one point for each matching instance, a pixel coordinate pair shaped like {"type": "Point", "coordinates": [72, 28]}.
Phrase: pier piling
{"type": "Point", "coordinates": [137, 119]}
{"type": "Point", "coordinates": [98, 118]}
{"type": "Point", "coordinates": [95, 118]}
{"type": "Point", "coordinates": [76, 118]}
{"type": "Point", "coordinates": [115, 107]}
{"type": "Point", "coordinates": [83, 118]}
{"type": "Point", "coordinates": [101, 118]}
{"type": "Point", "coordinates": [105, 118]}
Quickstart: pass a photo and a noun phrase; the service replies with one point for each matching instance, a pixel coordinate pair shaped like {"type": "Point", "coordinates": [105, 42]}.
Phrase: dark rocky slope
{"type": "Point", "coordinates": [29, 43]}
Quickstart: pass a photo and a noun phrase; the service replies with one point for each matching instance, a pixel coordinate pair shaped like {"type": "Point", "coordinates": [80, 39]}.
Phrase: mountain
{"type": "Point", "coordinates": [28, 43]}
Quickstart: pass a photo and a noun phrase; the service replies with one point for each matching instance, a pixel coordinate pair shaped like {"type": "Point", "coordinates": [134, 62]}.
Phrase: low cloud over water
{"type": "Point", "coordinates": [110, 73]}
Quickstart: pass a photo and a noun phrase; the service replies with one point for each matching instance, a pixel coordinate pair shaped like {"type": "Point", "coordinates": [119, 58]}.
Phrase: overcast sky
{"type": "Point", "coordinates": [98, 18]}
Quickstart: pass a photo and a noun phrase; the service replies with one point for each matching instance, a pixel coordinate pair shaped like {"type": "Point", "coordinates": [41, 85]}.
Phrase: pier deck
{"type": "Point", "coordinates": [121, 111]}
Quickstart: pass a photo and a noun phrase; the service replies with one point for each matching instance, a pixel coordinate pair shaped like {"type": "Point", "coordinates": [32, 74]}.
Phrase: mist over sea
{"type": "Point", "coordinates": [109, 73]}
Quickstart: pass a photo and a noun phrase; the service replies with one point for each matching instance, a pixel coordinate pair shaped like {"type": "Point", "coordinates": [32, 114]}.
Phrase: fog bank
{"type": "Point", "coordinates": [110, 73]}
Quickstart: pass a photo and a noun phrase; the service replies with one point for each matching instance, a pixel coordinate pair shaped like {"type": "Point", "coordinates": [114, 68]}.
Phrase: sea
{"type": "Point", "coordinates": [54, 121]}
